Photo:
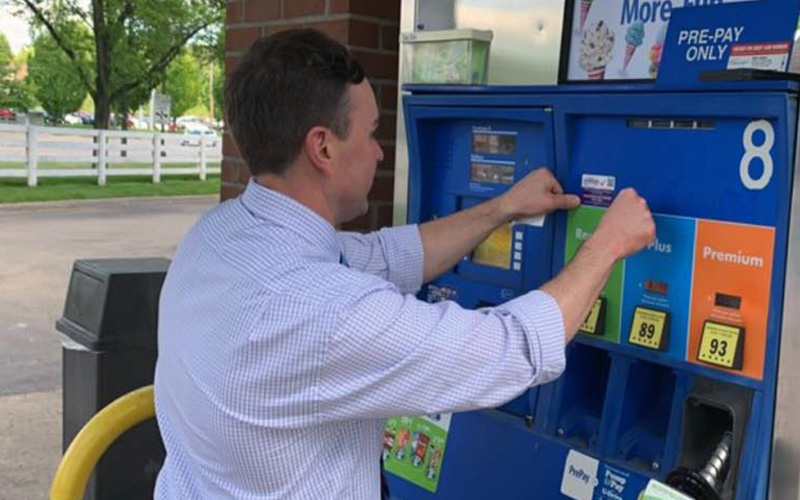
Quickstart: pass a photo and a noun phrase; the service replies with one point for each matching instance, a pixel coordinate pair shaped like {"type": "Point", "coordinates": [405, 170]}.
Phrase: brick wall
{"type": "Point", "coordinates": [370, 29]}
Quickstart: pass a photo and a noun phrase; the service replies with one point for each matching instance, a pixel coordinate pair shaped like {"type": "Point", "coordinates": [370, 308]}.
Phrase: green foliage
{"type": "Point", "coordinates": [58, 86]}
{"type": "Point", "coordinates": [131, 45]}
{"type": "Point", "coordinates": [14, 93]}
{"type": "Point", "coordinates": [183, 82]}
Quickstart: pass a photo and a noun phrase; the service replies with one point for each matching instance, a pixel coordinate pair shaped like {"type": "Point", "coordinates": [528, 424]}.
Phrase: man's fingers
{"type": "Point", "coordinates": [566, 202]}
{"type": "Point", "coordinates": [556, 188]}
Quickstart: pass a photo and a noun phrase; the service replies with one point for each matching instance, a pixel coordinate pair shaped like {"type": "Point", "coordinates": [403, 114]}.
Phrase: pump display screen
{"type": "Point", "coordinates": [493, 173]}
{"type": "Point", "coordinates": [484, 143]}
{"type": "Point", "coordinates": [495, 251]}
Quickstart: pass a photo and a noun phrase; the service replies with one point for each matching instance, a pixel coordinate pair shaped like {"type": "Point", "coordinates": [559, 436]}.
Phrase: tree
{"type": "Point", "coordinates": [57, 85]}
{"type": "Point", "coordinates": [213, 88]}
{"type": "Point", "coordinates": [212, 60]}
{"type": "Point", "coordinates": [14, 92]}
{"type": "Point", "coordinates": [132, 42]}
{"type": "Point", "coordinates": [183, 83]}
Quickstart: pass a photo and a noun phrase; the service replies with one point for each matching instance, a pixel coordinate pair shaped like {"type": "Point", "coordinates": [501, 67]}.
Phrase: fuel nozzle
{"type": "Point", "coordinates": [706, 483]}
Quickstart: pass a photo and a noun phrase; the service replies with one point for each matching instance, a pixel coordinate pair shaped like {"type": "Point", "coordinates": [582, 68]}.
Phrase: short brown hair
{"type": "Point", "coordinates": [286, 84]}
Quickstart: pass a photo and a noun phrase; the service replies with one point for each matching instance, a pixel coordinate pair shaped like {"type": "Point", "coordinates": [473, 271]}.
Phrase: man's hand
{"type": "Point", "coordinates": [539, 193]}
{"type": "Point", "coordinates": [626, 228]}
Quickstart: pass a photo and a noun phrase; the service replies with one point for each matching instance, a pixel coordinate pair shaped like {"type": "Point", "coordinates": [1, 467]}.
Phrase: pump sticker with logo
{"type": "Point", "coordinates": [413, 448]}
{"type": "Point", "coordinates": [580, 476]}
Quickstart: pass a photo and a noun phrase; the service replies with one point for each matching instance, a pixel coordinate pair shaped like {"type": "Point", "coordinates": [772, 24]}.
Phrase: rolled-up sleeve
{"type": "Point", "coordinates": [392, 354]}
{"type": "Point", "coordinates": [395, 254]}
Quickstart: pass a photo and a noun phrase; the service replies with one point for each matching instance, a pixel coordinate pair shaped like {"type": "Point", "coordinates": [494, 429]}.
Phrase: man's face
{"type": "Point", "coordinates": [359, 155]}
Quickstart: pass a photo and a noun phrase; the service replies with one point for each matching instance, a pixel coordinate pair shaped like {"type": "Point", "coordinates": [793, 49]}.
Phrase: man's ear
{"type": "Point", "coordinates": [321, 149]}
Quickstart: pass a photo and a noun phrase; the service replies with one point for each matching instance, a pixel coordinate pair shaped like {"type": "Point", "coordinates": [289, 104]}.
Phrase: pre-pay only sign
{"type": "Point", "coordinates": [743, 35]}
{"type": "Point", "coordinates": [625, 39]}
{"type": "Point", "coordinates": [707, 44]}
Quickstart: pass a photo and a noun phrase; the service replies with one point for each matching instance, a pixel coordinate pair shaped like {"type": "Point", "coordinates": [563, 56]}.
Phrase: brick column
{"type": "Point", "coordinates": [370, 29]}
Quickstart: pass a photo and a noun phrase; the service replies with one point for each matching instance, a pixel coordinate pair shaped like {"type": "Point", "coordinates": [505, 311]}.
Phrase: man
{"type": "Point", "coordinates": [284, 345]}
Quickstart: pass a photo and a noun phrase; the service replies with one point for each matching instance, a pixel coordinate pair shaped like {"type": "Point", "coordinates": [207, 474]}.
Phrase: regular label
{"type": "Point", "coordinates": [649, 328]}
{"type": "Point", "coordinates": [721, 345]}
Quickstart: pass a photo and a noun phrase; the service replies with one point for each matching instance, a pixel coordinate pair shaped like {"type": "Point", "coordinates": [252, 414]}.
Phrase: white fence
{"type": "Point", "coordinates": [32, 152]}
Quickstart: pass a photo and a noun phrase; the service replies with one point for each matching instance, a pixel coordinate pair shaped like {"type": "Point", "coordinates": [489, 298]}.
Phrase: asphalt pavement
{"type": "Point", "coordinates": [38, 244]}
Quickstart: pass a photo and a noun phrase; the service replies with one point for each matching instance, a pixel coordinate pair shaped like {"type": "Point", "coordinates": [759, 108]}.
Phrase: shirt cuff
{"type": "Point", "coordinates": [404, 255]}
{"type": "Point", "coordinates": [543, 323]}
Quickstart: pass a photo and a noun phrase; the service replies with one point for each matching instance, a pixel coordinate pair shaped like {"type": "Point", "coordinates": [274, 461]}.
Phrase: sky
{"type": "Point", "coordinates": [14, 28]}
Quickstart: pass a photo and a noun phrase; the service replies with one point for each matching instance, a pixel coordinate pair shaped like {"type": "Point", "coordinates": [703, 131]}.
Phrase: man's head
{"type": "Point", "coordinates": [300, 108]}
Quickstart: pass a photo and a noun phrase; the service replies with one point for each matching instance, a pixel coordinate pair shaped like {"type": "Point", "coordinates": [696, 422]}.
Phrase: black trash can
{"type": "Point", "coordinates": [110, 321]}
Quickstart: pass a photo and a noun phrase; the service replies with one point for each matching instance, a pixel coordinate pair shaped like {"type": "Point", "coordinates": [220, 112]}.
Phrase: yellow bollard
{"type": "Point", "coordinates": [95, 438]}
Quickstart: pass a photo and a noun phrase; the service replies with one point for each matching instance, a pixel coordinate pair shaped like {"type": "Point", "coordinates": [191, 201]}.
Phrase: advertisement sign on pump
{"type": "Point", "coordinates": [619, 39]}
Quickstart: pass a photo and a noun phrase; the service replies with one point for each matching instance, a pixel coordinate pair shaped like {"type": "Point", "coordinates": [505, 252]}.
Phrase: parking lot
{"type": "Point", "coordinates": [38, 244]}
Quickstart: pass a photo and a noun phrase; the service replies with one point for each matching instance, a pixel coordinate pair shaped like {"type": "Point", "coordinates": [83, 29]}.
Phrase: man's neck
{"type": "Point", "coordinates": [305, 193]}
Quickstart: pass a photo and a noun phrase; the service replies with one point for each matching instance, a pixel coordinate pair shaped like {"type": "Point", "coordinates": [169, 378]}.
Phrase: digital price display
{"type": "Point", "coordinates": [722, 345]}
{"type": "Point", "coordinates": [650, 329]}
{"type": "Point", "coordinates": [729, 301]}
{"type": "Point", "coordinates": [595, 322]}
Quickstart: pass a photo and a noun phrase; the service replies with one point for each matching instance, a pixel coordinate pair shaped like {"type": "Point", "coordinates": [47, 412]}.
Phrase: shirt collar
{"type": "Point", "coordinates": [289, 213]}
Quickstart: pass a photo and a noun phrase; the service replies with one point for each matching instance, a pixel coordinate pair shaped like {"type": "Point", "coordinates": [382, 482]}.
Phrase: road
{"type": "Point", "coordinates": [38, 244]}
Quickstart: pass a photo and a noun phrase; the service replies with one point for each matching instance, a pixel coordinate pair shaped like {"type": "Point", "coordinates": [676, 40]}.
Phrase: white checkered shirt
{"type": "Point", "coordinates": [278, 364]}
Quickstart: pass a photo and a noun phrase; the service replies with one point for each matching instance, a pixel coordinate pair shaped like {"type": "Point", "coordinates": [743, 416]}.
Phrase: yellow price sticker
{"type": "Point", "coordinates": [722, 345]}
{"type": "Point", "coordinates": [594, 324]}
{"type": "Point", "coordinates": [650, 329]}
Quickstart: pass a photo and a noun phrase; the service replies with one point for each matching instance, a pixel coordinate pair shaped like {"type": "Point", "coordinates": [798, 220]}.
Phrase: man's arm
{"type": "Point", "coordinates": [447, 240]}
{"type": "Point", "coordinates": [395, 254]}
{"type": "Point", "coordinates": [625, 229]}
{"type": "Point", "coordinates": [392, 354]}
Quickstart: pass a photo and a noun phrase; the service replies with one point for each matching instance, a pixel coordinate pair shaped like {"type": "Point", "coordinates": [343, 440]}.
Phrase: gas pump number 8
{"type": "Point", "coordinates": [753, 152]}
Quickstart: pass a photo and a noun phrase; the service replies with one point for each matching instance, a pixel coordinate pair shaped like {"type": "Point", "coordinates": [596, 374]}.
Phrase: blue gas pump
{"type": "Point", "coordinates": [680, 374]}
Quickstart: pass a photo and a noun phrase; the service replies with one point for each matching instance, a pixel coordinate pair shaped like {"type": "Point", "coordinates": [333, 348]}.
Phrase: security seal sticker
{"type": "Point", "coordinates": [722, 345]}
{"type": "Point", "coordinates": [597, 190]}
{"type": "Point", "coordinates": [650, 329]}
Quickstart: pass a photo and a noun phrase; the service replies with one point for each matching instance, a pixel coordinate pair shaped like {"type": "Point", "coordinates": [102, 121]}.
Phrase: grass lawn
{"type": "Point", "coordinates": [86, 188]}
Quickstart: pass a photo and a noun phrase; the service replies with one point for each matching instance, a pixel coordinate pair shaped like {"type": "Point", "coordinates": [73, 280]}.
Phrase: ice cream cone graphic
{"type": "Point", "coordinates": [596, 73]}
{"type": "Point", "coordinates": [597, 50]}
{"type": "Point", "coordinates": [629, 51]}
{"type": "Point", "coordinates": [586, 6]}
{"type": "Point", "coordinates": [656, 52]}
{"type": "Point", "coordinates": [634, 38]}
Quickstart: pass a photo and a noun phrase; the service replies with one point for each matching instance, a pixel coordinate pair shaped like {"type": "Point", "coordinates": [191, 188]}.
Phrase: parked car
{"type": "Point", "coordinates": [192, 135]}
{"type": "Point", "coordinates": [7, 114]}
{"type": "Point", "coordinates": [188, 121]}
{"type": "Point", "coordinates": [73, 119]}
